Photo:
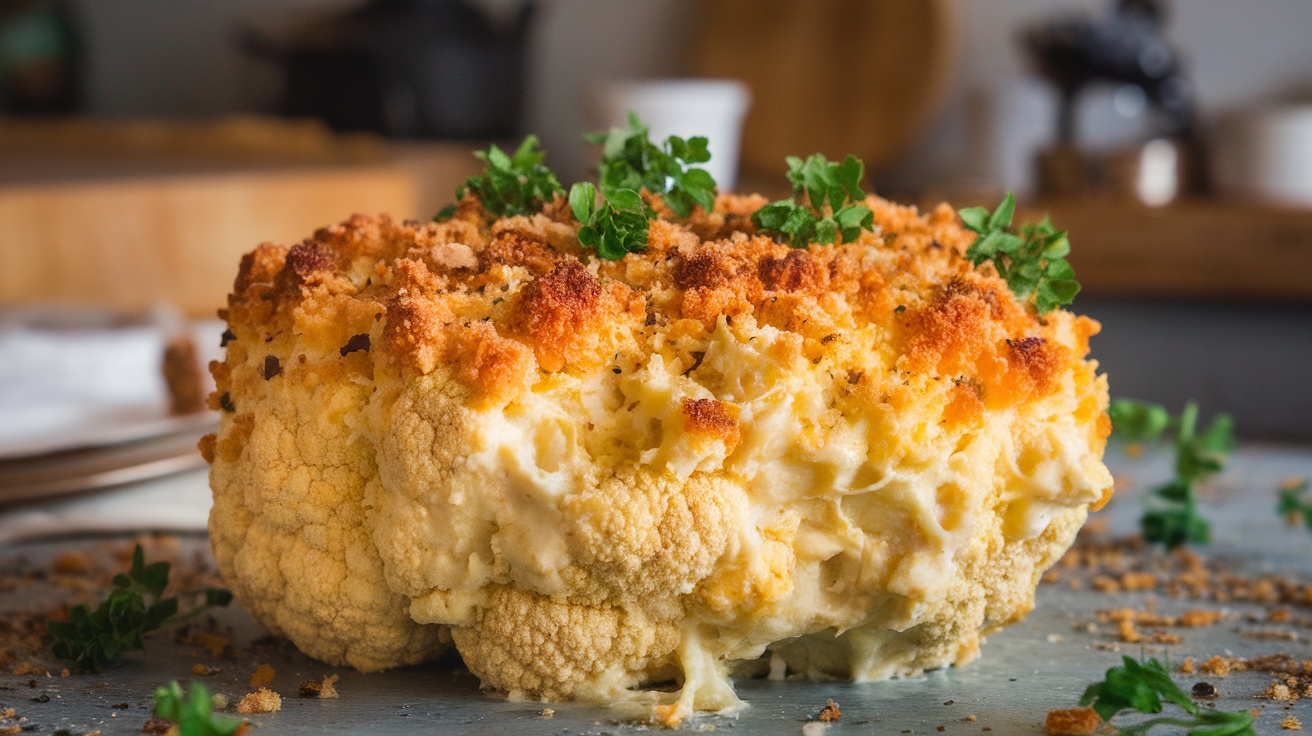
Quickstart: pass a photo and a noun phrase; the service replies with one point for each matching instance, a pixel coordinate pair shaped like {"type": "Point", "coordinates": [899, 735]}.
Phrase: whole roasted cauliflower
{"type": "Point", "coordinates": [855, 460]}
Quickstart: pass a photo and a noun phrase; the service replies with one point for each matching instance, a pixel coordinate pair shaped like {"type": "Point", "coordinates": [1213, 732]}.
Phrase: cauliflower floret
{"type": "Point", "coordinates": [288, 525]}
{"type": "Point", "coordinates": [856, 460]}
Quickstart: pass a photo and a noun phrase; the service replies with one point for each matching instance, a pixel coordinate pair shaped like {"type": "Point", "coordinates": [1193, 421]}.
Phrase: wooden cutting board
{"type": "Point", "coordinates": [832, 76]}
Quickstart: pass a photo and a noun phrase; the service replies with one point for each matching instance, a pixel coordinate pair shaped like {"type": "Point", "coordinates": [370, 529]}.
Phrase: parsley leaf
{"type": "Point", "coordinates": [1032, 262]}
{"type": "Point", "coordinates": [616, 226]}
{"type": "Point", "coordinates": [1171, 516]}
{"type": "Point", "coordinates": [193, 712]}
{"type": "Point", "coordinates": [1144, 687]}
{"type": "Point", "coordinates": [827, 205]}
{"type": "Point", "coordinates": [134, 607]}
{"type": "Point", "coordinates": [511, 185]}
{"type": "Point", "coordinates": [631, 161]}
{"type": "Point", "coordinates": [1291, 504]}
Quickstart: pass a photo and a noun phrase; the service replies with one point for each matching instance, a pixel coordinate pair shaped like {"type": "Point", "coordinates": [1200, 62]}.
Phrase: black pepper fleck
{"type": "Point", "coordinates": [357, 342]}
{"type": "Point", "coordinates": [226, 338]}
{"type": "Point", "coordinates": [271, 366]}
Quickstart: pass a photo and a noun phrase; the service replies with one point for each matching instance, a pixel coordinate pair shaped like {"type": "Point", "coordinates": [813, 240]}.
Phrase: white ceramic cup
{"type": "Point", "coordinates": [1265, 155]}
{"type": "Point", "coordinates": [684, 107]}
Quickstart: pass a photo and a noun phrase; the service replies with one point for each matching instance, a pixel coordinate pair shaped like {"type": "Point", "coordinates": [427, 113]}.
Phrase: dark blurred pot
{"type": "Point", "coordinates": [429, 68]}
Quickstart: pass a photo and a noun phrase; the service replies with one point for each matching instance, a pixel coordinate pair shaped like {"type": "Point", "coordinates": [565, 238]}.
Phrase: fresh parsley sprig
{"type": "Point", "coordinates": [1172, 517]}
{"type": "Point", "coordinates": [511, 184]}
{"type": "Point", "coordinates": [134, 607]}
{"type": "Point", "coordinates": [193, 712]}
{"type": "Point", "coordinates": [1032, 262]}
{"type": "Point", "coordinates": [630, 161]}
{"type": "Point", "coordinates": [1144, 687]}
{"type": "Point", "coordinates": [1292, 506]}
{"type": "Point", "coordinates": [613, 227]}
{"type": "Point", "coordinates": [827, 205]}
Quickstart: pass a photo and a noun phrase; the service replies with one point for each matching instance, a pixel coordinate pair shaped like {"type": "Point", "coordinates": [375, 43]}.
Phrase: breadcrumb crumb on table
{"type": "Point", "coordinates": [1291, 723]}
{"type": "Point", "coordinates": [1072, 722]}
{"type": "Point", "coordinates": [830, 712]}
{"type": "Point", "coordinates": [262, 700]}
{"type": "Point", "coordinates": [263, 675]}
{"type": "Point", "coordinates": [324, 689]}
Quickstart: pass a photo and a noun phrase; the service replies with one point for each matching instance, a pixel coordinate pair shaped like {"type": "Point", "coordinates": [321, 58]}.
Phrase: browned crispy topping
{"type": "Point", "coordinates": [557, 310]}
{"type": "Point", "coordinates": [498, 303]}
{"type": "Point", "coordinates": [713, 419]}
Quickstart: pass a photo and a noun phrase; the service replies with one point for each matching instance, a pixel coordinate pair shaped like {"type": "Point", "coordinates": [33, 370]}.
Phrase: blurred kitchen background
{"type": "Point", "coordinates": [146, 144]}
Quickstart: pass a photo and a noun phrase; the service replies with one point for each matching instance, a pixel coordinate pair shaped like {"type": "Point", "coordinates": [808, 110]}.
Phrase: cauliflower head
{"type": "Point", "coordinates": [599, 475]}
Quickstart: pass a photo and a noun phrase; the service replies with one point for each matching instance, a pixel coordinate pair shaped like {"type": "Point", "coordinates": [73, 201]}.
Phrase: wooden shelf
{"type": "Point", "coordinates": [1197, 248]}
{"type": "Point", "coordinates": [130, 233]}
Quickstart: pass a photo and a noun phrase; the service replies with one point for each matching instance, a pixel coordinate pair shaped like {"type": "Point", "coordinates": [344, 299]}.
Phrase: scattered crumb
{"type": "Point", "coordinates": [1072, 722]}
{"type": "Point", "coordinates": [1198, 619]}
{"type": "Point", "coordinates": [1188, 666]}
{"type": "Point", "coordinates": [1216, 665]}
{"type": "Point", "coordinates": [322, 689]}
{"type": "Point", "coordinates": [547, 712]}
{"type": "Point", "coordinates": [214, 643]}
{"type": "Point", "coordinates": [1269, 634]}
{"type": "Point", "coordinates": [1278, 691]}
{"type": "Point", "coordinates": [1055, 638]}
{"type": "Point", "coordinates": [830, 712]}
{"type": "Point", "coordinates": [1128, 633]}
{"type": "Point", "coordinates": [219, 701]}
{"type": "Point", "coordinates": [64, 672]}
{"type": "Point", "coordinates": [1138, 581]}
{"type": "Point", "coordinates": [970, 718]}
{"type": "Point", "coordinates": [1051, 576]}
{"type": "Point", "coordinates": [203, 670]}
{"type": "Point", "coordinates": [1105, 584]}
{"type": "Point", "coordinates": [71, 563]}
{"type": "Point", "coordinates": [1291, 724]}
{"type": "Point", "coordinates": [262, 676]}
{"type": "Point", "coordinates": [262, 700]}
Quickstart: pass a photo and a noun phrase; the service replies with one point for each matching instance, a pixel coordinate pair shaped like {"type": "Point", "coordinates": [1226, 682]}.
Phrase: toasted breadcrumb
{"type": "Point", "coordinates": [213, 642]}
{"type": "Point", "coordinates": [1216, 665]}
{"type": "Point", "coordinates": [1072, 722]}
{"type": "Point", "coordinates": [262, 700]}
{"type": "Point", "coordinates": [1291, 723]}
{"type": "Point", "coordinates": [262, 676]}
{"type": "Point", "coordinates": [1198, 619]}
{"type": "Point", "coordinates": [830, 712]}
{"type": "Point", "coordinates": [321, 689]}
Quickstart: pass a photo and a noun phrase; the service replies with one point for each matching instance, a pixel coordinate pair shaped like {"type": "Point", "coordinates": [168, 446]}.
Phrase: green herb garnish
{"type": "Point", "coordinates": [193, 712]}
{"type": "Point", "coordinates": [511, 185]}
{"type": "Point", "coordinates": [1032, 262]}
{"type": "Point", "coordinates": [631, 161]}
{"type": "Point", "coordinates": [135, 606]}
{"type": "Point", "coordinates": [1143, 687]}
{"type": "Point", "coordinates": [1171, 517]}
{"type": "Point", "coordinates": [616, 226]}
{"type": "Point", "coordinates": [827, 205]}
{"type": "Point", "coordinates": [1292, 506]}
